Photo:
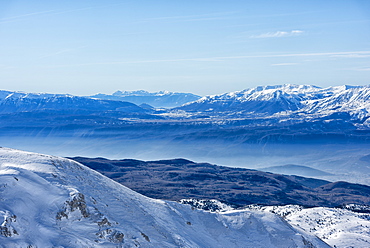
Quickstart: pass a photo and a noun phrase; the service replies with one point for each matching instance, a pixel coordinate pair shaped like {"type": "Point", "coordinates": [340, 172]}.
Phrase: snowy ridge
{"type": "Point", "coordinates": [48, 201]}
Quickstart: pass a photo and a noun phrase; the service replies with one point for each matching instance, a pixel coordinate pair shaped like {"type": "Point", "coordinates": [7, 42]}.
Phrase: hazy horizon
{"type": "Point", "coordinates": [163, 90]}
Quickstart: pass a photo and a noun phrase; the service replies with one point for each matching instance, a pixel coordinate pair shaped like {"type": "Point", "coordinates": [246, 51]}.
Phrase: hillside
{"type": "Point", "coordinates": [179, 178]}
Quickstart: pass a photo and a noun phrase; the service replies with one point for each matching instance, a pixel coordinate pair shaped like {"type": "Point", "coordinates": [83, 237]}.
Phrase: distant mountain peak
{"type": "Point", "coordinates": [131, 93]}
{"type": "Point", "coordinates": [146, 93]}
{"type": "Point", "coordinates": [159, 99]}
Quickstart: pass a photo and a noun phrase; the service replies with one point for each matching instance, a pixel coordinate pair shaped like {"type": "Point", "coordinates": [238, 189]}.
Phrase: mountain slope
{"type": "Point", "coordinates": [343, 227]}
{"type": "Point", "coordinates": [51, 202]}
{"type": "Point", "coordinates": [299, 170]}
{"type": "Point", "coordinates": [351, 99]}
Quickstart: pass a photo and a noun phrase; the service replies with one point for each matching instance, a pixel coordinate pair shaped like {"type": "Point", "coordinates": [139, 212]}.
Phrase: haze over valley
{"type": "Point", "coordinates": [254, 128]}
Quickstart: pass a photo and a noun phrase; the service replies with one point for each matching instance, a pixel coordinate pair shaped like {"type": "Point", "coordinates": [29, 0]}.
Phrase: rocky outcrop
{"type": "Point", "coordinates": [6, 228]}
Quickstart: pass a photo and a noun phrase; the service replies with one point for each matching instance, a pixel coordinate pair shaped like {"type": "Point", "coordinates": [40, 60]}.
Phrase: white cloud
{"type": "Point", "coordinates": [278, 34]}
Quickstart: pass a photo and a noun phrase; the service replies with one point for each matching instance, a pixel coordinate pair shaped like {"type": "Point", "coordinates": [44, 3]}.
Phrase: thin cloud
{"type": "Point", "coordinates": [6, 66]}
{"type": "Point", "coordinates": [202, 17]}
{"type": "Point", "coordinates": [26, 15]}
{"type": "Point", "coordinates": [223, 58]}
{"type": "Point", "coordinates": [51, 12]}
{"type": "Point", "coordinates": [62, 51]}
{"type": "Point", "coordinates": [352, 55]}
{"type": "Point", "coordinates": [278, 34]}
{"type": "Point", "coordinates": [362, 69]}
{"type": "Point", "coordinates": [22, 17]}
{"type": "Point", "coordinates": [284, 64]}
{"type": "Point", "coordinates": [56, 53]}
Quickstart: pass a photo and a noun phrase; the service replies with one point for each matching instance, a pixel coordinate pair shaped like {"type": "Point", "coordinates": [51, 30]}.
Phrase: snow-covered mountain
{"type": "Point", "coordinates": [301, 99]}
{"type": "Point", "coordinates": [262, 99]}
{"type": "Point", "coordinates": [161, 99]}
{"type": "Point", "coordinates": [48, 201]}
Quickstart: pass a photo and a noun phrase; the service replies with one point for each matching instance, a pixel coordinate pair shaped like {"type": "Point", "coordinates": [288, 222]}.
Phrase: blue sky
{"type": "Point", "coordinates": [204, 47]}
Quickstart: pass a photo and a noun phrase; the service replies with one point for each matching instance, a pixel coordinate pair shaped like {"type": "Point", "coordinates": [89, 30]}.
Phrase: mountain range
{"type": "Point", "coordinates": [254, 128]}
{"type": "Point", "coordinates": [281, 104]}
